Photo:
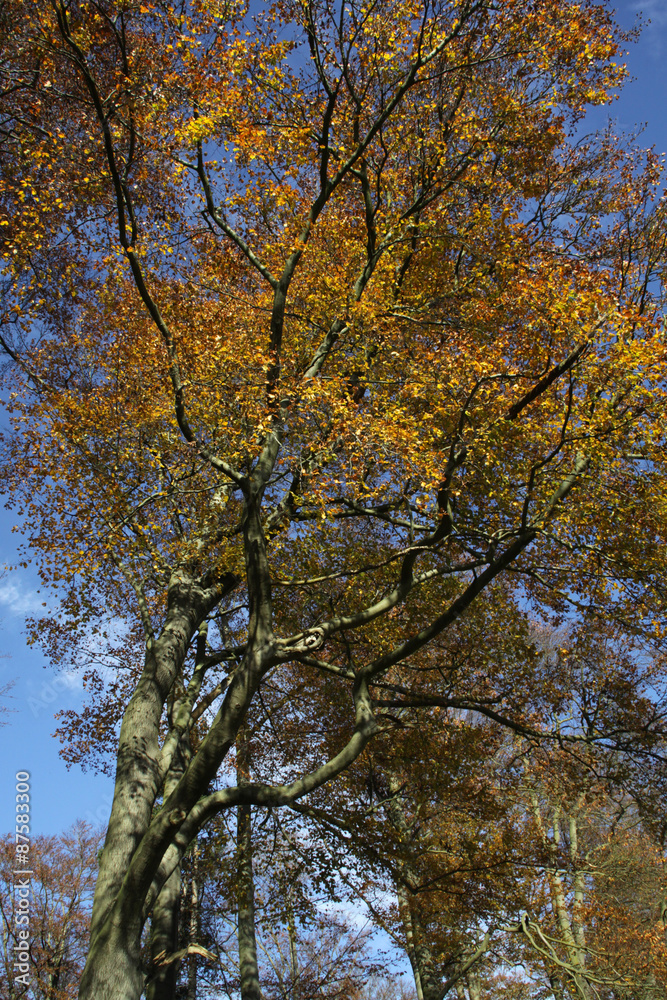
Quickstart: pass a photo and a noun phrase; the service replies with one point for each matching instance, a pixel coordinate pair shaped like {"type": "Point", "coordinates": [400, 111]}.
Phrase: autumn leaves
{"type": "Point", "coordinates": [330, 329]}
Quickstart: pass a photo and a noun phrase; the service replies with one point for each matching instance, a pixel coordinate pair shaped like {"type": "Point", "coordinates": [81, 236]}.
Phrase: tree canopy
{"type": "Point", "coordinates": [337, 371]}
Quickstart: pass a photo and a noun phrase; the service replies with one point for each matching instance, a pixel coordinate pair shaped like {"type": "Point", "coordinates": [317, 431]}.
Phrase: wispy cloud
{"type": "Point", "coordinates": [653, 9]}
{"type": "Point", "coordinates": [17, 601]}
{"type": "Point", "coordinates": [55, 692]}
{"type": "Point", "coordinates": [655, 33]}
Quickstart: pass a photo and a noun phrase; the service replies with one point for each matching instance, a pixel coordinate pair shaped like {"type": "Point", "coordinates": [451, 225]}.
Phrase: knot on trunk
{"type": "Point", "coordinates": [309, 641]}
{"type": "Point", "coordinates": [176, 817]}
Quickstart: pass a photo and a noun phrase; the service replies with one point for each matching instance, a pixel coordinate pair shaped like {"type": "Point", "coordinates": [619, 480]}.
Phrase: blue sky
{"type": "Point", "coordinates": [59, 796]}
{"type": "Point", "coordinates": [643, 99]}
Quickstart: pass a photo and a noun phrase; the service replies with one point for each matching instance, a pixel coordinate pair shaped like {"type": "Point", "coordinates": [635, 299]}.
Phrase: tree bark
{"type": "Point", "coordinates": [291, 929]}
{"type": "Point", "coordinates": [166, 911]}
{"type": "Point", "coordinates": [113, 966]}
{"type": "Point", "coordinates": [428, 984]}
{"type": "Point", "coordinates": [248, 966]}
{"type": "Point", "coordinates": [164, 940]}
{"type": "Point", "coordinates": [405, 914]}
{"type": "Point", "coordinates": [194, 927]}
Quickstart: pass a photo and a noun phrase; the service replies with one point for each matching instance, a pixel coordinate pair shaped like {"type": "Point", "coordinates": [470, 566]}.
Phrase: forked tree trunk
{"type": "Point", "coordinates": [113, 966]}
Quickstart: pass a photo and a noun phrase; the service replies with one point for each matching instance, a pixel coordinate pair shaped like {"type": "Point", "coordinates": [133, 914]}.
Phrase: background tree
{"type": "Point", "coordinates": [509, 829]}
{"type": "Point", "coordinates": [62, 884]}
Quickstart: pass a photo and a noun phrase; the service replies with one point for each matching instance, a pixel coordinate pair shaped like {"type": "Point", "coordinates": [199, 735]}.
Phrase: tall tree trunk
{"type": "Point", "coordinates": [194, 927]}
{"type": "Point", "coordinates": [248, 966]}
{"type": "Point", "coordinates": [405, 914]}
{"type": "Point", "coordinates": [166, 912]}
{"type": "Point", "coordinates": [164, 940]}
{"type": "Point", "coordinates": [428, 983]}
{"type": "Point", "coordinates": [113, 966]}
{"type": "Point", "coordinates": [291, 929]}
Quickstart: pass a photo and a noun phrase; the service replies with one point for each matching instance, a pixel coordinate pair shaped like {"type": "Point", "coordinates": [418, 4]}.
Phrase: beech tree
{"type": "Point", "coordinates": [330, 338]}
{"type": "Point", "coordinates": [585, 936]}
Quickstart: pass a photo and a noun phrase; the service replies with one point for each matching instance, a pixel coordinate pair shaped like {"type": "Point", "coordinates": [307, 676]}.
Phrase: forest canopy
{"type": "Point", "coordinates": [336, 377]}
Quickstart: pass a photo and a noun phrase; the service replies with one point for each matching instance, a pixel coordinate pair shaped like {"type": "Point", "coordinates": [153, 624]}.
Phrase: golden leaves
{"type": "Point", "coordinates": [453, 247]}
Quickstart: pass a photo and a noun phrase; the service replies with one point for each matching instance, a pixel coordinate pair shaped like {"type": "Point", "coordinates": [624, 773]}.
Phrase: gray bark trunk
{"type": "Point", "coordinates": [194, 928]}
{"type": "Point", "coordinates": [428, 984]}
{"type": "Point", "coordinates": [248, 966]}
{"type": "Point", "coordinates": [410, 946]}
{"type": "Point", "coordinates": [164, 940]}
{"type": "Point", "coordinates": [113, 966]}
{"type": "Point", "coordinates": [291, 928]}
{"type": "Point", "coordinates": [165, 916]}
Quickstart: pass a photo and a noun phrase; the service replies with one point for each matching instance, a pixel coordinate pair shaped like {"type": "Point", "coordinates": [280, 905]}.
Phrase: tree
{"type": "Point", "coordinates": [629, 926]}
{"type": "Point", "coordinates": [581, 933]}
{"type": "Point", "coordinates": [65, 869]}
{"type": "Point", "coordinates": [329, 339]}
{"type": "Point", "coordinates": [508, 855]}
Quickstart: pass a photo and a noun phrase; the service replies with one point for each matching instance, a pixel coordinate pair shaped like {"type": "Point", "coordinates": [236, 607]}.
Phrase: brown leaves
{"type": "Point", "coordinates": [62, 884]}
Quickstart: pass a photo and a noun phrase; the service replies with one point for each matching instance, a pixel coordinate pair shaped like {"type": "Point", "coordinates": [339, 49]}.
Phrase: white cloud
{"type": "Point", "coordinates": [20, 602]}
{"type": "Point", "coordinates": [653, 33]}
{"type": "Point", "coordinates": [53, 692]}
{"type": "Point", "coordinates": [653, 9]}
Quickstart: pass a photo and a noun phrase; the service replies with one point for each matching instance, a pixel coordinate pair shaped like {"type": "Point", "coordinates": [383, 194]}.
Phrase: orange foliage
{"type": "Point", "coordinates": [335, 352]}
{"type": "Point", "coordinates": [62, 884]}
